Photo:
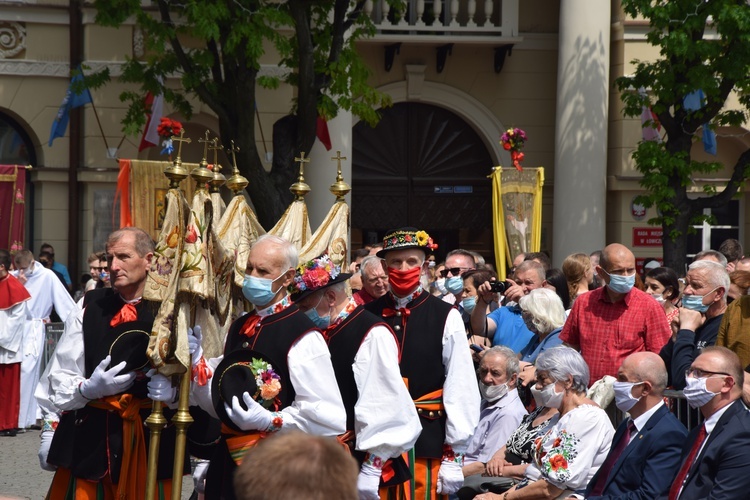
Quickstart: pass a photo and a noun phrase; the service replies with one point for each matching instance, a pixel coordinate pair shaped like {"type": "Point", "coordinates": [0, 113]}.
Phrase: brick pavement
{"type": "Point", "coordinates": [21, 477]}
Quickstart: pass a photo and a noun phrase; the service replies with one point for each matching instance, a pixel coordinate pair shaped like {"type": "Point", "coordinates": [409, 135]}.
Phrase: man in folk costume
{"type": "Point", "coordinates": [97, 381]}
{"type": "Point", "coordinates": [14, 320]}
{"type": "Point", "coordinates": [46, 291]}
{"type": "Point", "coordinates": [307, 396]}
{"type": "Point", "coordinates": [381, 420]}
{"type": "Point", "coordinates": [435, 363]}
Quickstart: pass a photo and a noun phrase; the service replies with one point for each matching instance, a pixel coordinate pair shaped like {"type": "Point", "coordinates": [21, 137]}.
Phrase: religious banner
{"type": "Point", "coordinates": [517, 213]}
{"type": "Point", "coordinates": [12, 207]}
{"type": "Point", "coordinates": [142, 189]}
{"type": "Point", "coordinates": [331, 237]}
{"type": "Point", "coordinates": [294, 224]}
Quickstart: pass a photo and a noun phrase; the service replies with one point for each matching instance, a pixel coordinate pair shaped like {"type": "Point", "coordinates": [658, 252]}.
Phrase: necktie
{"type": "Point", "coordinates": [125, 314]}
{"type": "Point", "coordinates": [249, 328]}
{"type": "Point", "coordinates": [614, 454]}
{"type": "Point", "coordinates": [674, 491]}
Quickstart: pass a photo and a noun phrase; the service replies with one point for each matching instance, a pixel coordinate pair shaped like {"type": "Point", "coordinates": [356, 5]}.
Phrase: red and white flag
{"type": "Point", "coordinates": [150, 134]}
{"type": "Point", "coordinates": [321, 131]}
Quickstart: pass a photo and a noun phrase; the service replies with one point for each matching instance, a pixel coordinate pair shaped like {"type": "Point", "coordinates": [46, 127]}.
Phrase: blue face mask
{"type": "Point", "coordinates": [469, 303]}
{"type": "Point", "coordinates": [621, 284]}
{"type": "Point", "coordinates": [321, 322]}
{"type": "Point", "coordinates": [454, 284]}
{"type": "Point", "coordinates": [259, 291]}
{"type": "Point", "coordinates": [695, 302]}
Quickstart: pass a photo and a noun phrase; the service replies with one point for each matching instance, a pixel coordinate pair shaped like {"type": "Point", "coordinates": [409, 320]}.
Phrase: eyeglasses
{"type": "Point", "coordinates": [374, 280]}
{"type": "Point", "coordinates": [454, 271]}
{"type": "Point", "coordinates": [698, 373]}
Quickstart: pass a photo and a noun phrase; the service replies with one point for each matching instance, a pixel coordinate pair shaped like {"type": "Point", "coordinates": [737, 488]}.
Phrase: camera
{"type": "Point", "coordinates": [498, 286]}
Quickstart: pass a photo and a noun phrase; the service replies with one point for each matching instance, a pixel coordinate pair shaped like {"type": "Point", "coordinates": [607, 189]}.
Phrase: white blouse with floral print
{"type": "Point", "coordinates": [572, 449]}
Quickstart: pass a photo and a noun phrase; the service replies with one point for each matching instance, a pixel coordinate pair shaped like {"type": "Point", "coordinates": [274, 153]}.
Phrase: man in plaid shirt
{"type": "Point", "coordinates": [612, 322]}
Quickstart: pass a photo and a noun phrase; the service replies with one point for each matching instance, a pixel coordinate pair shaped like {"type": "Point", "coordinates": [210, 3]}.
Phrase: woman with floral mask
{"type": "Point", "coordinates": [662, 284]}
{"type": "Point", "coordinates": [577, 440]}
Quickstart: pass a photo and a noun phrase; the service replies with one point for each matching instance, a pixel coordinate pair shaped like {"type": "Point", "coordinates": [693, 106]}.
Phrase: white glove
{"type": "Point", "coordinates": [160, 387]}
{"type": "Point", "coordinates": [256, 418]}
{"type": "Point", "coordinates": [368, 482]}
{"type": "Point", "coordinates": [105, 382]}
{"type": "Point", "coordinates": [199, 475]}
{"type": "Point", "coordinates": [195, 338]}
{"type": "Point", "coordinates": [46, 441]}
{"type": "Point", "coordinates": [450, 478]}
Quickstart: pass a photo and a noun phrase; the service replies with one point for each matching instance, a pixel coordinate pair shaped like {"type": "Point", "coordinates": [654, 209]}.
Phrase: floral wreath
{"type": "Point", "coordinates": [314, 274]}
{"type": "Point", "coordinates": [166, 129]}
{"type": "Point", "coordinates": [408, 238]}
{"type": "Point", "coordinates": [267, 380]}
{"type": "Point", "coordinates": [513, 140]}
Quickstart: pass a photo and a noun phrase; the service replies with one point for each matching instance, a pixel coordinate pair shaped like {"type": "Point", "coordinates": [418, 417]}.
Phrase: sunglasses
{"type": "Point", "coordinates": [455, 271]}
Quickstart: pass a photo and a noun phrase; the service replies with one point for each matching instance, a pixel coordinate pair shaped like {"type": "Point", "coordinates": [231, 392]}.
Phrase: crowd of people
{"type": "Point", "coordinates": [398, 377]}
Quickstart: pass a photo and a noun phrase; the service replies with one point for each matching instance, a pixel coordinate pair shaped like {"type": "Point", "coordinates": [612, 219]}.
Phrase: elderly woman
{"type": "Point", "coordinates": [575, 443]}
{"type": "Point", "coordinates": [544, 314]}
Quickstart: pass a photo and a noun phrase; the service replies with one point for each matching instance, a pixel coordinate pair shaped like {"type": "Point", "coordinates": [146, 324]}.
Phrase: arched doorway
{"type": "Point", "coordinates": [421, 166]}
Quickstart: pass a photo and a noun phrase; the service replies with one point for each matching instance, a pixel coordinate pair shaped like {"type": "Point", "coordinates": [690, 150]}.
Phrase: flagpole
{"type": "Point", "coordinates": [101, 129]}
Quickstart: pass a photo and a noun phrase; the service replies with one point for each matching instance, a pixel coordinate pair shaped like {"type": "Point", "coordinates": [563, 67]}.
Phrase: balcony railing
{"type": "Point", "coordinates": [485, 18]}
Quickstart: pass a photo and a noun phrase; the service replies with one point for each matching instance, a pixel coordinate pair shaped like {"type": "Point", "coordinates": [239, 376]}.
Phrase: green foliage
{"type": "Point", "coordinates": [703, 45]}
{"type": "Point", "coordinates": [215, 47]}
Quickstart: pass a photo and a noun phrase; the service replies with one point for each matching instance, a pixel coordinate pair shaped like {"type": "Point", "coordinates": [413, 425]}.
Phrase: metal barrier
{"type": "Point", "coordinates": [690, 417]}
{"type": "Point", "coordinates": [52, 334]}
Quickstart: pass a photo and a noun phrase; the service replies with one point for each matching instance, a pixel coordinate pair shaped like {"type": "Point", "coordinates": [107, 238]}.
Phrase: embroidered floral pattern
{"type": "Point", "coordinates": [407, 239]}
{"type": "Point", "coordinates": [276, 308]}
{"type": "Point", "coordinates": [374, 461]}
{"type": "Point", "coordinates": [554, 454]}
{"type": "Point", "coordinates": [451, 456]}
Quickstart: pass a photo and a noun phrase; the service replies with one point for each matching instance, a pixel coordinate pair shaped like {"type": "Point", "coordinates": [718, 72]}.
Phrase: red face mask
{"type": "Point", "coordinates": [404, 282]}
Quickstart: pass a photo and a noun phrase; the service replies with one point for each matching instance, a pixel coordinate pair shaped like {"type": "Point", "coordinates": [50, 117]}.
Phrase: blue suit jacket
{"type": "Point", "coordinates": [722, 470]}
{"type": "Point", "coordinates": [648, 465]}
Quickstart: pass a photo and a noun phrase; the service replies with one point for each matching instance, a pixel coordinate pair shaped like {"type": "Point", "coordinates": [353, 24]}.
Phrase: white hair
{"type": "Point", "coordinates": [512, 365]}
{"type": "Point", "coordinates": [716, 274]}
{"type": "Point", "coordinates": [369, 261]}
{"type": "Point", "coordinates": [288, 250]}
{"type": "Point", "coordinates": [546, 309]}
{"type": "Point", "coordinates": [562, 362]}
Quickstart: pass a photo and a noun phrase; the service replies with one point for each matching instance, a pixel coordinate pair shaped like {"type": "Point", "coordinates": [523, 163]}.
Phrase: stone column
{"type": "Point", "coordinates": [320, 173]}
{"type": "Point", "coordinates": [583, 84]}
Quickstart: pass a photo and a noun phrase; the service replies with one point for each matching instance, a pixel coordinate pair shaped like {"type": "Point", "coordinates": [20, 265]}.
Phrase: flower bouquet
{"type": "Point", "coordinates": [513, 140]}
{"type": "Point", "coordinates": [167, 129]}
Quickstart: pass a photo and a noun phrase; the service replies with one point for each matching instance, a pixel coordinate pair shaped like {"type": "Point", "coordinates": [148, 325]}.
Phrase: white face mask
{"type": "Point", "coordinates": [550, 397]}
{"type": "Point", "coordinates": [440, 285]}
{"type": "Point", "coordinates": [696, 392]}
{"type": "Point", "coordinates": [493, 392]}
{"type": "Point", "coordinates": [624, 399]}
{"type": "Point", "coordinates": [658, 297]}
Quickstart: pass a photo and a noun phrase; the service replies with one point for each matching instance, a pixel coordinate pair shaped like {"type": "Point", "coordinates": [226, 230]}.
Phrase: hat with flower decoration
{"type": "Point", "coordinates": [246, 370]}
{"type": "Point", "coordinates": [315, 275]}
{"type": "Point", "coordinates": [407, 237]}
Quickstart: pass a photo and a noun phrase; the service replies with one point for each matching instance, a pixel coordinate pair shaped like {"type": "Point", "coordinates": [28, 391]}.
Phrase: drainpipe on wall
{"type": "Point", "coordinates": [76, 147]}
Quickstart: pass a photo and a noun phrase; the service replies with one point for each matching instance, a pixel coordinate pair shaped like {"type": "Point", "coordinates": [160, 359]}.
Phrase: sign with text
{"type": "Point", "coordinates": [647, 236]}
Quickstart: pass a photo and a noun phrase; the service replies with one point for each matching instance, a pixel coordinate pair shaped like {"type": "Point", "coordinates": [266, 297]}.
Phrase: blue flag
{"type": "Point", "coordinates": [693, 102]}
{"type": "Point", "coordinates": [71, 100]}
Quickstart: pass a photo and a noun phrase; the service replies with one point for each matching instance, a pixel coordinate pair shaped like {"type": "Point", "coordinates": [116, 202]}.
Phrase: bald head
{"type": "Point", "coordinates": [648, 367]}
{"type": "Point", "coordinates": [614, 254]}
{"type": "Point", "coordinates": [722, 360]}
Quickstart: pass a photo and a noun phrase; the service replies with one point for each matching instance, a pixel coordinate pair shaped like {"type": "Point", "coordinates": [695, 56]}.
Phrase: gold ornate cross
{"type": "Point", "coordinates": [215, 148]}
{"type": "Point", "coordinates": [205, 142]}
{"type": "Point", "coordinates": [234, 150]}
{"type": "Point", "coordinates": [180, 140]}
{"type": "Point", "coordinates": [302, 162]}
{"type": "Point", "coordinates": [338, 158]}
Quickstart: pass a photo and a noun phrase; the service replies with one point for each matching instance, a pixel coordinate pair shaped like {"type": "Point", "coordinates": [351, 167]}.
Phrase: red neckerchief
{"type": "Point", "coordinates": [126, 313]}
{"type": "Point", "coordinates": [249, 329]}
{"type": "Point", "coordinates": [12, 292]}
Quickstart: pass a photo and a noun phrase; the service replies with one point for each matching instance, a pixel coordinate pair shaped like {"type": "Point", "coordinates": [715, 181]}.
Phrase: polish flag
{"type": "Point", "coordinates": [321, 131]}
{"type": "Point", "coordinates": [150, 134]}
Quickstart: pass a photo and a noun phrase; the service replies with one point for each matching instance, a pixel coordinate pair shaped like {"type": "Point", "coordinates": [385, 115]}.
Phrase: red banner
{"type": "Point", "coordinates": [12, 206]}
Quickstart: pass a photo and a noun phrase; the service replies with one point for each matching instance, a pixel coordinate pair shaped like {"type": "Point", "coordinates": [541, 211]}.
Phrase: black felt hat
{"type": "Point", "coordinates": [406, 237]}
{"type": "Point", "coordinates": [238, 373]}
{"type": "Point", "coordinates": [314, 275]}
{"type": "Point", "coordinates": [129, 344]}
